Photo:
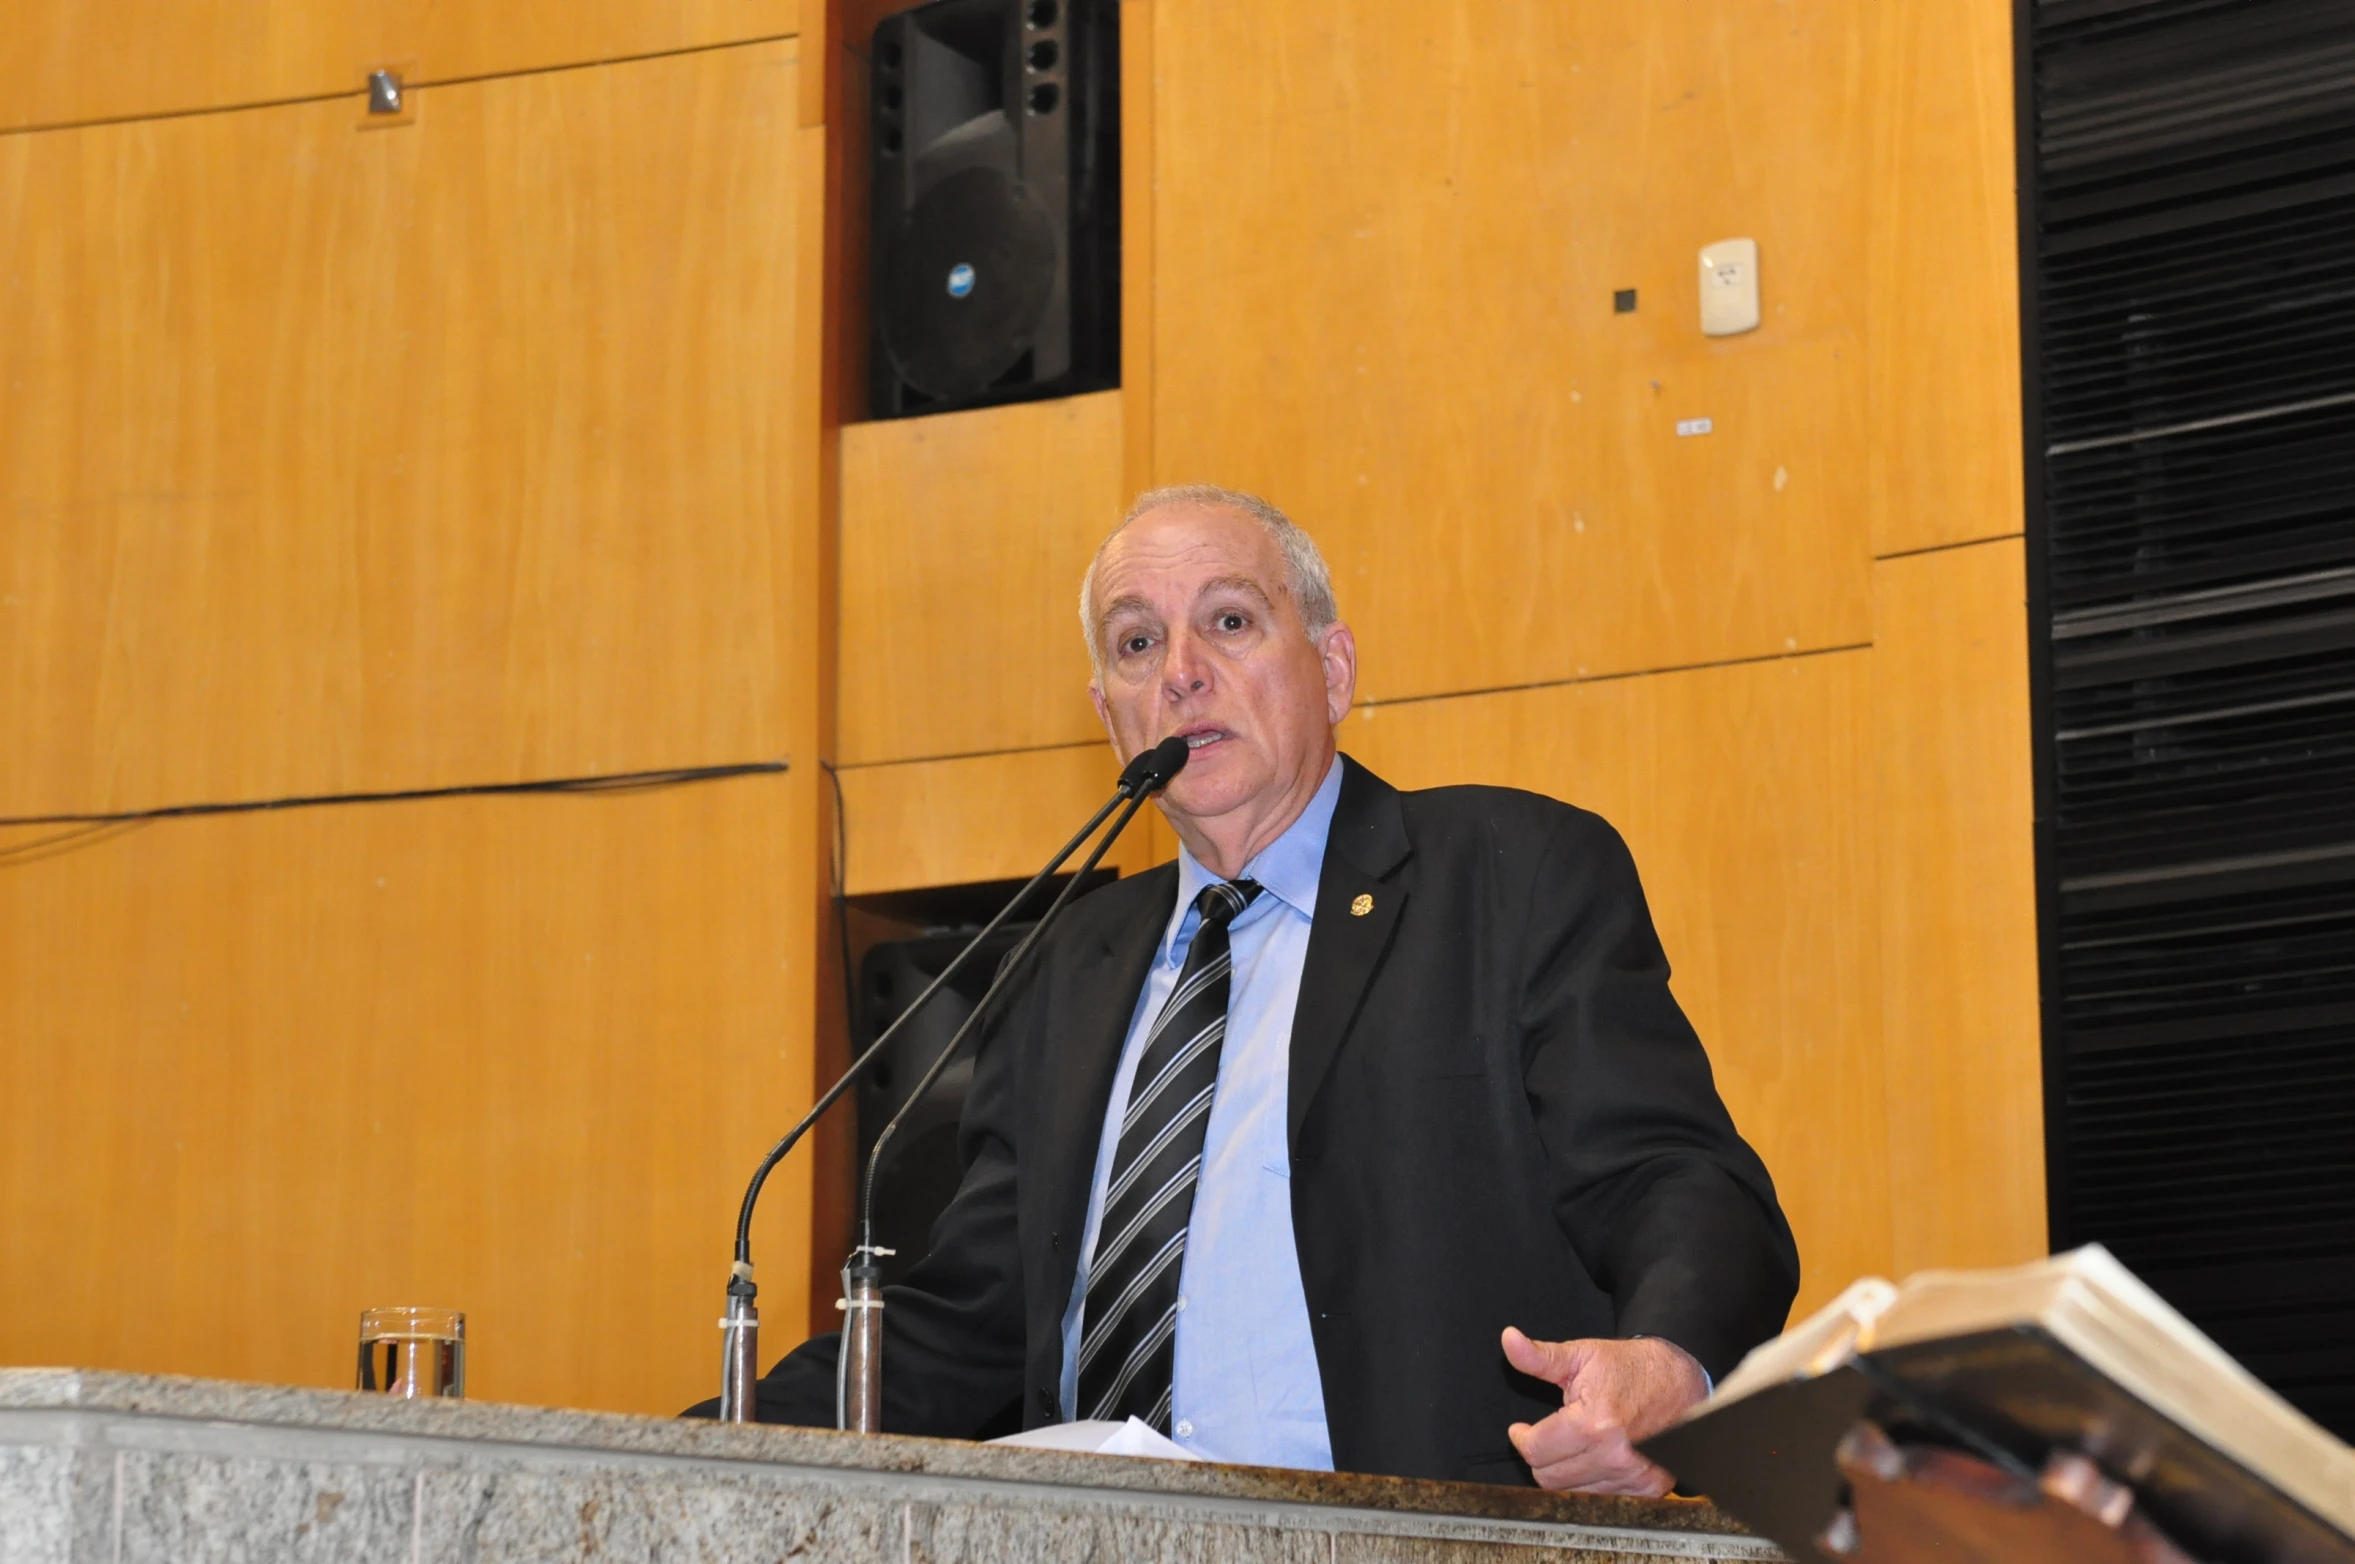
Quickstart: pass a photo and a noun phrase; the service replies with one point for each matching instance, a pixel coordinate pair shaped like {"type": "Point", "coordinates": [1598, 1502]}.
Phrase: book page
{"type": "Point", "coordinates": [2109, 1317]}
{"type": "Point", "coordinates": [1816, 1345]}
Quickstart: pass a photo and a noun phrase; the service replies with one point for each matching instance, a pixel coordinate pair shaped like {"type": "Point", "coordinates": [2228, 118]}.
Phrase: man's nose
{"type": "Point", "coordinates": [1185, 670]}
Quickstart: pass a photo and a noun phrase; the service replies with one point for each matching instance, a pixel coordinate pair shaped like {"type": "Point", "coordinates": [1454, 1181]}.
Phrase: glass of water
{"type": "Point", "coordinates": [413, 1352]}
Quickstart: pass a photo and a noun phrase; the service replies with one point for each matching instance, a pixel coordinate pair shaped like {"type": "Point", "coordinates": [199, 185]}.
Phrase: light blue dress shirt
{"type": "Point", "coordinates": [1247, 1387]}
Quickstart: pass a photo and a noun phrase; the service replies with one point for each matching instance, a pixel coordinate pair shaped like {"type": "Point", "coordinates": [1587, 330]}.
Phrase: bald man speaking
{"type": "Point", "coordinates": [1366, 1135]}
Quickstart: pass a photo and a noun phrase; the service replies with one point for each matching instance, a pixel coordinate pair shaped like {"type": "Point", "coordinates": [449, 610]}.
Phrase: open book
{"type": "Point", "coordinates": [2066, 1354]}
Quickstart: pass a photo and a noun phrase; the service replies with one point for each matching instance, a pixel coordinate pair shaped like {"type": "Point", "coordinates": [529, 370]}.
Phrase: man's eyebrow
{"type": "Point", "coordinates": [1235, 584]}
{"type": "Point", "coordinates": [1119, 606]}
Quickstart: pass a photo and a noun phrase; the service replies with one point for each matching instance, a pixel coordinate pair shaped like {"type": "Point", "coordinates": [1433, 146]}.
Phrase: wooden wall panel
{"type": "Point", "coordinates": [1138, 171]}
{"type": "Point", "coordinates": [963, 539]}
{"type": "Point", "coordinates": [458, 452]}
{"type": "Point", "coordinates": [1958, 922]}
{"type": "Point", "coordinates": [73, 61]}
{"type": "Point", "coordinates": [515, 1055]}
{"type": "Point", "coordinates": [1942, 445]}
{"type": "Point", "coordinates": [985, 817]}
{"type": "Point", "coordinates": [1746, 795]}
{"type": "Point", "coordinates": [1386, 239]}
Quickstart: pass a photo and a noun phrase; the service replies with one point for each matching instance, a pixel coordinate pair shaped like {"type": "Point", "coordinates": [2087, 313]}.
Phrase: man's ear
{"type": "Point", "coordinates": [1103, 712]}
{"type": "Point", "coordinates": [1337, 650]}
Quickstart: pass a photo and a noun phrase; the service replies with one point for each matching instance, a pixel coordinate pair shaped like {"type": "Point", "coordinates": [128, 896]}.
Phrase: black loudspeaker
{"type": "Point", "coordinates": [995, 166]}
{"type": "Point", "coordinates": [919, 1172]}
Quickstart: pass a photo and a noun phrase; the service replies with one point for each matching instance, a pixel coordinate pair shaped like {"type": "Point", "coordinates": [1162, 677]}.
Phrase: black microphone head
{"type": "Point", "coordinates": [1150, 772]}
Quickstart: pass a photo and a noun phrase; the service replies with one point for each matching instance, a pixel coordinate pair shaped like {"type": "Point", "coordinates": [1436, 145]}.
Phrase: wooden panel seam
{"type": "Point", "coordinates": [262, 55]}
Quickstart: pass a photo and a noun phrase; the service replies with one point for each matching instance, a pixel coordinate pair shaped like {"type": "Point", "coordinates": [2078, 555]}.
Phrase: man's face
{"type": "Point", "coordinates": [1197, 635]}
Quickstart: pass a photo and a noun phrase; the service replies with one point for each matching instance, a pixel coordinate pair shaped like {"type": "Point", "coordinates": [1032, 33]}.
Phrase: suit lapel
{"type": "Point", "coordinates": [1357, 910]}
{"type": "Point", "coordinates": [1084, 1053]}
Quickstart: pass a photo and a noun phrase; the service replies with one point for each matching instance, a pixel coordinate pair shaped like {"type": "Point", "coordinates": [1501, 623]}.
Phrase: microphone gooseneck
{"type": "Point", "coordinates": [858, 1362]}
{"type": "Point", "coordinates": [1145, 775]}
{"type": "Point", "coordinates": [1005, 970]}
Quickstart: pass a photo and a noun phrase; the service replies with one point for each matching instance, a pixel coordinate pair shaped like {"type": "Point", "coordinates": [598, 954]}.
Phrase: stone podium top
{"type": "Point", "coordinates": [120, 1467]}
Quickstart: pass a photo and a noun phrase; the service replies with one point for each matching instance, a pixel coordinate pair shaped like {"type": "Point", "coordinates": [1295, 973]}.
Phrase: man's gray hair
{"type": "Point", "coordinates": [1305, 575]}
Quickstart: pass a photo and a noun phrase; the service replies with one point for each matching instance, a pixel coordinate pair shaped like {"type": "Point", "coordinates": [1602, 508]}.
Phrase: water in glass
{"type": "Point", "coordinates": [413, 1352]}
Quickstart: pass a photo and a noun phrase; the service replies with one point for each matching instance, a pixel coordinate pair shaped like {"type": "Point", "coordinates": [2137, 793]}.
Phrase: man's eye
{"type": "Point", "coordinates": [1135, 644]}
{"type": "Point", "coordinates": [1231, 621]}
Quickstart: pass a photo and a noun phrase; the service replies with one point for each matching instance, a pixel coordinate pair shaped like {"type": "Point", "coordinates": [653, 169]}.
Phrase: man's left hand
{"type": "Point", "coordinates": [1614, 1394]}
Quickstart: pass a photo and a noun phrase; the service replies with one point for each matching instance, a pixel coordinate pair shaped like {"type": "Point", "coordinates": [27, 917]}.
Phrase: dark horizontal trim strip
{"type": "Point", "coordinates": [1438, 695]}
{"type": "Point", "coordinates": [2109, 579]}
{"type": "Point", "coordinates": [2239, 598]}
{"type": "Point", "coordinates": [2226, 420]}
{"type": "Point", "coordinates": [2157, 721]}
{"type": "Point", "coordinates": [2169, 219]}
{"type": "Point", "coordinates": [613, 782]}
{"type": "Point", "coordinates": [361, 91]}
{"type": "Point", "coordinates": [1947, 548]}
{"type": "Point", "coordinates": [2201, 1029]}
{"type": "Point", "coordinates": [848, 766]}
{"type": "Point", "coordinates": [1615, 678]}
{"type": "Point", "coordinates": [713, 47]}
{"type": "Point", "coordinates": [2214, 929]}
{"type": "Point", "coordinates": [2078, 668]}
{"type": "Point", "coordinates": [2308, 1281]}
{"type": "Point", "coordinates": [2222, 876]}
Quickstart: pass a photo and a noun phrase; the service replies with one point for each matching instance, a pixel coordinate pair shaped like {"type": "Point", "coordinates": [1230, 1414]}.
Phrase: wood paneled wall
{"type": "Point", "coordinates": [510, 1055]}
{"type": "Point", "coordinates": [343, 460]}
{"type": "Point", "coordinates": [1371, 250]}
{"type": "Point", "coordinates": [978, 818]}
{"type": "Point", "coordinates": [1386, 243]}
{"type": "Point", "coordinates": [497, 446]}
{"type": "Point", "coordinates": [1011, 501]}
{"type": "Point", "coordinates": [1958, 907]}
{"type": "Point", "coordinates": [479, 449]}
{"type": "Point", "coordinates": [78, 61]}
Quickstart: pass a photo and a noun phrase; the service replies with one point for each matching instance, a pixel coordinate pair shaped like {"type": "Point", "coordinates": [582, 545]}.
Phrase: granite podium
{"type": "Point", "coordinates": [104, 1468]}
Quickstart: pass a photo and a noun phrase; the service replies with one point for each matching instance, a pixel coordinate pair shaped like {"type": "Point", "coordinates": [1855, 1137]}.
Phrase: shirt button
{"type": "Point", "coordinates": [1181, 1303]}
{"type": "Point", "coordinates": [1185, 1430]}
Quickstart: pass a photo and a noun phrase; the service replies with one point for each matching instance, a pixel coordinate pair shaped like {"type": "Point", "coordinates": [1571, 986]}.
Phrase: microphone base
{"type": "Point", "coordinates": [739, 1359]}
{"type": "Point", "coordinates": [859, 1366]}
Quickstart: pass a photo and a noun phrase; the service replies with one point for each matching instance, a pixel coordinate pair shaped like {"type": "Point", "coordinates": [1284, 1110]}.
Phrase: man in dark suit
{"type": "Point", "coordinates": [1367, 1135]}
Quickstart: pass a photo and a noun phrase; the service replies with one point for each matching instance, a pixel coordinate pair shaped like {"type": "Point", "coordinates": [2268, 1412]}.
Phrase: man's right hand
{"type": "Point", "coordinates": [1614, 1395]}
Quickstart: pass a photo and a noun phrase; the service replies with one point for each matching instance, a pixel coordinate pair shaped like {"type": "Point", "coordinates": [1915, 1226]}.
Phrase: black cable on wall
{"type": "Point", "coordinates": [88, 829]}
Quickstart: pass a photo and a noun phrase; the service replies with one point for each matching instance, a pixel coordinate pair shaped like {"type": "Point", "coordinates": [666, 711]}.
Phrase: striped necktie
{"type": "Point", "coordinates": [1128, 1332]}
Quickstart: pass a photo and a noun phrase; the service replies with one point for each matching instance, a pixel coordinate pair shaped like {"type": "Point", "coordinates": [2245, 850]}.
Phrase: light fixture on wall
{"type": "Point", "coordinates": [388, 100]}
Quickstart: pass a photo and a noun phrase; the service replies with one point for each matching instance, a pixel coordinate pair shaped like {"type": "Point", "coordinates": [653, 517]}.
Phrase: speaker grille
{"type": "Point", "coordinates": [2189, 206]}
{"type": "Point", "coordinates": [975, 271]}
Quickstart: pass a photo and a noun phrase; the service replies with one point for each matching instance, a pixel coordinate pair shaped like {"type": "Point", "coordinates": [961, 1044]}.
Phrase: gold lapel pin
{"type": "Point", "coordinates": [1360, 907]}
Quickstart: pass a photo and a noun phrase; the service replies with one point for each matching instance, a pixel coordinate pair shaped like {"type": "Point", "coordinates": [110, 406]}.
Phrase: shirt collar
{"type": "Point", "coordinates": [1288, 868]}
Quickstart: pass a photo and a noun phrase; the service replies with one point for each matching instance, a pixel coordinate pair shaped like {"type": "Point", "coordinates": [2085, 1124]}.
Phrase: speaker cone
{"type": "Point", "coordinates": [975, 272]}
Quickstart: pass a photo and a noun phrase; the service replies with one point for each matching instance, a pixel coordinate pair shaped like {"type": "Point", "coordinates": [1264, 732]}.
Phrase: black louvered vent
{"type": "Point", "coordinates": [2189, 202]}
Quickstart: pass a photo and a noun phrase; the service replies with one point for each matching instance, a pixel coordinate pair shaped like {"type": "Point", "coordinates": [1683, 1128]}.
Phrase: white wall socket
{"type": "Point", "coordinates": [1729, 287]}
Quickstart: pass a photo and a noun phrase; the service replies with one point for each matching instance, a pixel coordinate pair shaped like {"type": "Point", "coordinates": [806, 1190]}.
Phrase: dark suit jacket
{"type": "Point", "coordinates": [1498, 1116]}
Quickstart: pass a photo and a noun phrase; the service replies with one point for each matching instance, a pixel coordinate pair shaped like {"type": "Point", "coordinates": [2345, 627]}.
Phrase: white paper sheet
{"type": "Point", "coordinates": [1134, 1437]}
